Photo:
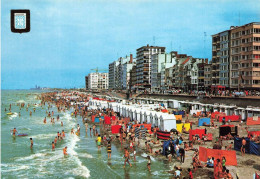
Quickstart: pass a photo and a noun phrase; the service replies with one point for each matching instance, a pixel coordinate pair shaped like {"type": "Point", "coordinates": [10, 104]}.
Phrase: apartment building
{"type": "Point", "coordinates": [245, 56]}
{"type": "Point", "coordinates": [143, 65]}
{"type": "Point", "coordinates": [86, 82]}
{"type": "Point", "coordinates": [119, 72]}
{"type": "Point", "coordinates": [207, 76]}
{"type": "Point", "coordinates": [160, 62]}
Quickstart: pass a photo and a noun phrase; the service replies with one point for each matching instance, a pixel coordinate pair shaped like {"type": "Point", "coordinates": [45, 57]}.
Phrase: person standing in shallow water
{"type": "Point", "coordinates": [109, 150]}
{"type": "Point", "coordinates": [99, 141]}
{"type": "Point", "coordinates": [65, 151]}
{"type": "Point", "coordinates": [127, 157]}
{"type": "Point", "coordinates": [149, 163]}
{"type": "Point", "coordinates": [31, 142]}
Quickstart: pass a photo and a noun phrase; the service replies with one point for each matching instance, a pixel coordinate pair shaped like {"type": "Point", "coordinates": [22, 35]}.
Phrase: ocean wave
{"type": "Point", "coordinates": [81, 170]}
{"type": "Point", "coordinates": [20, 101]}
{"type": "Point", "coordinates": [34, 156]}
{"type": "Point", "coordinates": [145, 155]}
{"type": "Point", "coordinates": [14, 115]}
{"type": "Point", "coordinates": [43, 136]}
{"type": "Point", "coordinates": [13, 167]}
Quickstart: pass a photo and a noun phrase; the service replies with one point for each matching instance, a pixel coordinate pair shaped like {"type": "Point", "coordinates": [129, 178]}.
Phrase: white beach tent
{"type": "Point", "coordinates": [167, 122]}
{"type": "Point", "coordinates": [137, 115]}
{"type": "Point", "coordinates": [113, 105]}
{"type": "Point", "coordinates": [142, 115]}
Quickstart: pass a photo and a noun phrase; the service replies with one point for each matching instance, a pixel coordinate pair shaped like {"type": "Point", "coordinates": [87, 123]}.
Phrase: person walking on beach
{"type": "Point", "coordinates": [65, 151]}
{"type": "Point", "coordinates": [31, 142]}
{"type": "Point", "coordinates": [149, 163]}
{"type": "Point", "coordinates": [243, 147]}
{"type": "Point", "coordinates": [109, 150]}
{"type": "Point", "coordinates": [127, 157]}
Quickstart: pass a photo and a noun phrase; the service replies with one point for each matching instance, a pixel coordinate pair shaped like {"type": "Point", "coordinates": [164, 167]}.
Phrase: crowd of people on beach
{"type": "Point", "coordinates": [137, 138]}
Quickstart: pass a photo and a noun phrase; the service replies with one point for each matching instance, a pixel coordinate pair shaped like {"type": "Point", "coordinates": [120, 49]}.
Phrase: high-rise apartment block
{"type": "Point", "coordinates": [236, 57]}
{"type": "Point", "coordinates": [143, 65]}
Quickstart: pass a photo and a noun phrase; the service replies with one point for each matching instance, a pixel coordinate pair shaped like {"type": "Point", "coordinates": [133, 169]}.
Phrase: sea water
{"type": "Point", "coordinates": [18, 160]}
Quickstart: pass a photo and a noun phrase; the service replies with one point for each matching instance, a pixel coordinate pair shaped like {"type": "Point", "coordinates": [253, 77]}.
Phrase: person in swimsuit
{"type": "Point", "coordinates": [63, 134]}
{"type": "Point", "coordinates": [109, 150]}
{"type": "Point", "coordinates": [149, 163]}
{"type": "Point", "coordinates": [55, 140]}
{"type": "Point", "coordinates": [99, 141]}
{"type": "Point", "coordinates": [53, 146]}
{"type": "Point", "coordinates": [14, 132]}
{"type": "Point", "coordinates": [72, 131]}
{"type": "Point", "coordinates": [243, 147]}
{"type": "Point", "coordinates": [31, 143]}
{"type": "Point", "coordinates": [65, 151]}
{"type": "Point", "coordinates": [127, 157]}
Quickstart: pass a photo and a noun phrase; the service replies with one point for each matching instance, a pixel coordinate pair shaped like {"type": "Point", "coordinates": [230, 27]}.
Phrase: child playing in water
{"type": "Point", "coordinates": [149, 163]}
{"type": "Point", "coordinates": [72, 131]}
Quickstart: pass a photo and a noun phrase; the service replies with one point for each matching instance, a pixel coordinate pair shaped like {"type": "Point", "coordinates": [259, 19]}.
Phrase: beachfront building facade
{"type": "Point", "coordinates": [119, 72]}
{"type": "Point", "coordinates": [245, 56]}
{"type": "Point", "coordinates": [143, 65]}
{"type": "Point", "coordinates": [86, 82]}
{"type": "Point", "coordinates": [160, 62]}
{"type": "Point", "coordinates": [127, 67]}
{"type": "Point", "coordinates": [112, 75]}
{"type": "Point", "coordinates": [207, 76]}
{"type": "Point", "coordinates": [98, 81]}
{"type": "Point", "coordinates": [221, 59]}
{"type": "Point", "coordinates": [236, 57]}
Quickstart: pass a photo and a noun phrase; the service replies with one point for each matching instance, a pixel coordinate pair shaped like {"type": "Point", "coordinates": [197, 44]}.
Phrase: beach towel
{"type": "Point", "coordinates": [107, 120]}
{"type": "Point", "coordinates": [202, 120]}
{"type": "Point", "coordinates": [232, 118]}
{"type": "Point", "coordinates": [115, 129]}
{"type": "Point", "coordinates": [251, 147]}
{"type": "Point", "coordinates": [178, 117]}
{"type": "Point", "coordinates": [230, 155]}
{"type": "Point", "coordinates": [199, 132]}
{"type": "Point", "coordinates": [163, 135]}
{"type": "Point", "coordinates": [253, 121]}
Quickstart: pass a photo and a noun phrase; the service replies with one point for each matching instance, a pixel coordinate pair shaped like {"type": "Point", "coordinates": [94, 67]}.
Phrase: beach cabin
{"type": "Point", "coordinates": [137, 115]}
{"type": "Point", "coordinates": [173, 103]}
{"type": "Point", "coordinates": [146, 116]}
{"type": "Point", "coordinates": [157, 118]}
{"type": "Point", "coordinates": [152, 118]}
{"type": "Point", "coordinates": [252, 111]}
{"type": "Point", "coordinates": [142, 115]}
{"type": "Point", "coordinates": [113, 106]}
{"type": "Point", "coordinates": [131, 116]}
{"type": "Point", "coordinates": [124, 110]}
{"type": "Point", "coordinates": [167, 122]}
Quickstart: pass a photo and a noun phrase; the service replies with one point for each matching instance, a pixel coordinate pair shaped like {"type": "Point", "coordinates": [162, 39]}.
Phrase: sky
{"type": "Point", "coordinates": [68, 38]}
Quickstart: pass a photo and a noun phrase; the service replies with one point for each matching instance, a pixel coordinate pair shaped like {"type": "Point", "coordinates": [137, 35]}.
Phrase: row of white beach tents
{"type": "Point", "coordinates": [141, 113]}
